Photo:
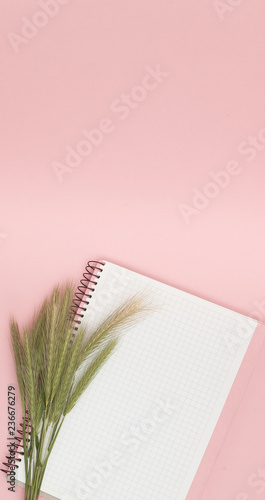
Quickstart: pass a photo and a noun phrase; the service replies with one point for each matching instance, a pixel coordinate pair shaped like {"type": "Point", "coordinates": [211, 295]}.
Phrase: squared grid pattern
{"type": "Point", "coordinates": [142, 426]}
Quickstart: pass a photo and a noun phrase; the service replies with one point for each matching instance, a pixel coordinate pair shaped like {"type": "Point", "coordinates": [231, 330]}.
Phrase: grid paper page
{"type": "Point", "coordinates": [141, 429]}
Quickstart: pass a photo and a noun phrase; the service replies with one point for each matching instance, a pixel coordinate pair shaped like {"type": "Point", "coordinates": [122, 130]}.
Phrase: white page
{"type": "Point", "coordinates": [140, 430]}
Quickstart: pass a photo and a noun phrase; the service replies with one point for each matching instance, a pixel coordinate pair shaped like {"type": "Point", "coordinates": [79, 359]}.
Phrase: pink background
{"type": "Point", "coordinates": [122, 202]}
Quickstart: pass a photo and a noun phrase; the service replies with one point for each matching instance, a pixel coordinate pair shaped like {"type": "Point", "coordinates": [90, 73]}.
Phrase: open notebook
{"type": "Point", "coordinates": [141, 428]}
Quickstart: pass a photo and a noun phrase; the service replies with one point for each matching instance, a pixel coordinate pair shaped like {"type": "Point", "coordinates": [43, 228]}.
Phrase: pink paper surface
{"type": "Point", "coordinates": [160, 109]}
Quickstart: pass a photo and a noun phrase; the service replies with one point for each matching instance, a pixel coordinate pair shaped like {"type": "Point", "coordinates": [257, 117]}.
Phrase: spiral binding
{"type": "Point", "coordinates": [19, 443]}
{"type": "Point", "coordinates": [85, 290]}
{"type": "Point", "coordinates": [80, 303]}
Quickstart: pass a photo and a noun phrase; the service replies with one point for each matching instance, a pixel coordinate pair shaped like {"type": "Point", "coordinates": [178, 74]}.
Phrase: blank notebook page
{"type": "Point", "coordinates": [141, 428]}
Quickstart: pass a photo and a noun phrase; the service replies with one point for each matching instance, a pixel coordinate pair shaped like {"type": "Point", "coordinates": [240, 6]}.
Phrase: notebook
{"type": "Point", "coordinates": [140, 430]}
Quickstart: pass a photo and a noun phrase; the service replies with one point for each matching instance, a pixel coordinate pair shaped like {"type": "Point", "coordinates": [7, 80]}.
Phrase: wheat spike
{"type": "Point", "coordinates": [30, 390]}
{"type": "Point", "coordinates": [124, 316]}
{"type": "Point", "coordinates": [19, 359]}
{"type": "Point", "coordinates": [50, 347]}
{"type": "Point", "coordinates": [68, 376]}
{"type": "Point", "coordinates": [61, 363]}
{"type": "Point", "coordinates": [89, 374]}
